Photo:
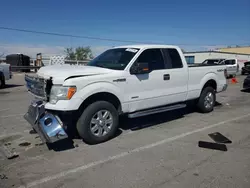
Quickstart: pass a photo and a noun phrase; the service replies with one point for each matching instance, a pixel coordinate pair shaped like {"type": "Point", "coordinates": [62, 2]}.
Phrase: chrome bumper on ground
{"type": "Point", "coordinates": [48, 126]}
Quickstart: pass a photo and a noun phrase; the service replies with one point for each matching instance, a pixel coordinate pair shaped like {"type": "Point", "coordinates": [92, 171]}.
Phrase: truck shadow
{"type": "Point", "coordinates": [12, 86]}
{"type": "Point", "coordinates": [61, 145]}
{"type": "Point", "coordinates": [153, 120]}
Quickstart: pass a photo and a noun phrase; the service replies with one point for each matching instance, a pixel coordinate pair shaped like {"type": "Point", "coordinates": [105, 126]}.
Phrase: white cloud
{"type": "Point", "coordinates": [32, 50]}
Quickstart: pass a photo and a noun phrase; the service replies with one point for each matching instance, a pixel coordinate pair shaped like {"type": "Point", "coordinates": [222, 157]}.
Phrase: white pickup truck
{"type": "Point", "coordinates": [136, 80]}
{"type": "Point", "coordinates": [5, 73]}
{"type": "Point", "coordinates": [232, 65]}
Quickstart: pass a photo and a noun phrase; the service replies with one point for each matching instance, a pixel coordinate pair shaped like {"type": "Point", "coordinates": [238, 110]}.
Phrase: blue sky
{"type": "Point", "coordinates": [193, 24]}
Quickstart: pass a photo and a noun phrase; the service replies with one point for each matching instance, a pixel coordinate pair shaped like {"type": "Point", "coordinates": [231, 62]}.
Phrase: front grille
{"type": "Point", "coordinates": [36, 85]}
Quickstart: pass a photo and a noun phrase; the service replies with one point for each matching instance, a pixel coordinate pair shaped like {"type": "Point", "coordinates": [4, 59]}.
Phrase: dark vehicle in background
{"type": "Point", "coordinates": [246, 84]}
{"type": "Point", "coordinates": [246, 68]}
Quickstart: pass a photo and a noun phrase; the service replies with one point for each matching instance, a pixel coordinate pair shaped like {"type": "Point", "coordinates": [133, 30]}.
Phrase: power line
{"type": "Point", "coordinates": [67, 35]}
{"type": "Point", "coordinates": [99, 38]}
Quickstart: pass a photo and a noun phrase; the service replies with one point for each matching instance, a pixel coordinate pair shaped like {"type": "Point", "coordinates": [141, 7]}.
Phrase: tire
{"type": "Point", "coordinates": [207, 95]}
{"type": "Point", "coordinates": [2, 82]}
{"type": "Point", "coordinates": [90, 118]}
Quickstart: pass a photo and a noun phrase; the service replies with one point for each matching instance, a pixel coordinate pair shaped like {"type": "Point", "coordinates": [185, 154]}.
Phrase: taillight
{"type": "Point", "coordinates": [225, 73]}
{"type": "Point", "coordinates": [10, 68]}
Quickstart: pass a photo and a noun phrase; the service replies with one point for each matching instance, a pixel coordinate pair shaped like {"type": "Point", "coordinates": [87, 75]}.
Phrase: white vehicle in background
{"type": "Point", "coordinates": [232, 65]}
{"type": "Point", "coordinates": [5, 73]}
{"type": "Point", "coordinates": [136, 80]}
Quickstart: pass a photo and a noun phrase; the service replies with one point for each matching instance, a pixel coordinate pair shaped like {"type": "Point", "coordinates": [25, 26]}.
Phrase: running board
{"type": "Point", "coordinates": [156, 110]}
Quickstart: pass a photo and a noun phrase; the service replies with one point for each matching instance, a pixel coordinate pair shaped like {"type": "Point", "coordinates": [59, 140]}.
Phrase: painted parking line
{"type": "Point", "coordinates": [1, 110]}
{"type": "Point", "coordinates": [127, 153]}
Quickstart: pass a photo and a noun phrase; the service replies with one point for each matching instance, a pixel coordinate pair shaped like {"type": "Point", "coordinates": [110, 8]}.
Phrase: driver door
{"type": "Point", "coordinates": [148, 90]}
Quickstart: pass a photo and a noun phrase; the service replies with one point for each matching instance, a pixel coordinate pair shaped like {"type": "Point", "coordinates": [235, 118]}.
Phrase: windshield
{"type": "Point", "coordinates": [117, 58]}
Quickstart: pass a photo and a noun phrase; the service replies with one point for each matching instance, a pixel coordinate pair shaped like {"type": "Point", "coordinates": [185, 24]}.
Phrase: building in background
{"type": "Point", "coordinates": [237, 49]}
{"type": "Point", "coordinates": [200, 56]}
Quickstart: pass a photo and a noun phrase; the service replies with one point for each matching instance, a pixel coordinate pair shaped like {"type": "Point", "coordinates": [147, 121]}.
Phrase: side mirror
{"type": "Point", "coordinates": [140, 68]}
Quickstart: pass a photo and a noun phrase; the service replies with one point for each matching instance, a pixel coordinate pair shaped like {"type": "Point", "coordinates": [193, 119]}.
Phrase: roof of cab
{"type": "Point", "coordinates": [140, 46]}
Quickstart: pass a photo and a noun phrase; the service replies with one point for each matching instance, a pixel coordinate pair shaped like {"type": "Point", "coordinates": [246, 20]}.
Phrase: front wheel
{"type": "Point", "coordinates": [98, 123]}
{"type": "Point", "coordinates": [207, 100]}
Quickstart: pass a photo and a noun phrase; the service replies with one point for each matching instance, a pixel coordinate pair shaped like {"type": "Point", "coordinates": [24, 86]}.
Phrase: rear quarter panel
{"type": "Point", "coordinates": [199, 76]}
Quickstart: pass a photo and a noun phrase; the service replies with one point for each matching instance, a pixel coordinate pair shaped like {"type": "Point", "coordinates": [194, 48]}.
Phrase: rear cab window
{"type": "Point", "coordinates": [229, 62]}
{"type": "Point", "coordinates": [172, 58]}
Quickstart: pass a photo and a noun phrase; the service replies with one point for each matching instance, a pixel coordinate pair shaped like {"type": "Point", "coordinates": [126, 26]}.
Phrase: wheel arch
{"type": "Point", "coordinates": [102, 96]}
{"type": "Point", "coordinates": [212, 83]}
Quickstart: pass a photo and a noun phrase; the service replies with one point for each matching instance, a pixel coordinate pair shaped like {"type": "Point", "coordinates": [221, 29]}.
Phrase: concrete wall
{"type": "Point", "coordinates": [201, 56]}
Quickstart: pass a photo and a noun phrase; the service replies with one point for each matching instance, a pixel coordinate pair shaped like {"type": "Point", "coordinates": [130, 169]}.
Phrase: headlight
{"type": "Point", "coordinates": [61, 93]}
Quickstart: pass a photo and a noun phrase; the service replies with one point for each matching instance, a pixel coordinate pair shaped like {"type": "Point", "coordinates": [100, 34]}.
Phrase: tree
{"type": "Point", "coordinates": [80, 53]}
{"type": "Point", "coordinates": [70, 53]}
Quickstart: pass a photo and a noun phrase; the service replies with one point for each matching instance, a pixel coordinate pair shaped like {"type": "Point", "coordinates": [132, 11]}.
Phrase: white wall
{"type": "Point", "coordinates": [201, 56]}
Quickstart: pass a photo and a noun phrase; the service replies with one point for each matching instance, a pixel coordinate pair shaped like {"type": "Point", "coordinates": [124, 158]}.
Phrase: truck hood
{"type": "Point", "coordinates": [63, 72]}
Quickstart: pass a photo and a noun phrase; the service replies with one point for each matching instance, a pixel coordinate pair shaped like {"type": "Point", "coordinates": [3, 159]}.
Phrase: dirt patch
{"type": "Point", "coordinates": [8, 139]}
{"type": "Point", "coordinates": [24, 144]}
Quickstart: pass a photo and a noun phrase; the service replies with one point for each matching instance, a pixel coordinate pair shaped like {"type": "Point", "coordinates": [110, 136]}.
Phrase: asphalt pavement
{"type": "Point", "coordinates": [155, 151]}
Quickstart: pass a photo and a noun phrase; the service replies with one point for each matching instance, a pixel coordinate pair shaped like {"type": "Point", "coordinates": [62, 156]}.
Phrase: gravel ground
{"type": "Point", "coordinates": [156, 151]}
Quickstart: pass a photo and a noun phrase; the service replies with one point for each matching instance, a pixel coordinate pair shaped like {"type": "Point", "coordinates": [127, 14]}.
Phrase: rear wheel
{"type": "Point", "coordinates": [207, 100]}
{"type": "Point", "coordinates": [98, 123]}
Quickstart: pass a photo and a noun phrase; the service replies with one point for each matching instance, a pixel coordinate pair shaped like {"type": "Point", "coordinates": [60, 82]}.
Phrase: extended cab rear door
{"type": "Point", "coordinates": [177, 86]}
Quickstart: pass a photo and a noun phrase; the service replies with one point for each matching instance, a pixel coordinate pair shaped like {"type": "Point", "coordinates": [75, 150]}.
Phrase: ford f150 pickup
{"type": "Point", "coordinates": [5, 73]}
{"type": "Point", "coordinates": [136, 80]}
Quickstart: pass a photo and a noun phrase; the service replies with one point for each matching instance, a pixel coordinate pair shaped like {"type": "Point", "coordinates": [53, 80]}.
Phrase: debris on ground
{"type": "Point", "coordinates": [3, 177]}
{"type": "Point", "coordinates": [211, 145]}
{"type": "Point", "coordinates": [8, 153]}
{"type": "Point", "coordinates": [32, 132]}
{"type": "Point", "coordinates": [24, 144]}
{"type": "Point", "coordinates": [40, 144]}
{"type": "Point", "coordinates": [219, 138]}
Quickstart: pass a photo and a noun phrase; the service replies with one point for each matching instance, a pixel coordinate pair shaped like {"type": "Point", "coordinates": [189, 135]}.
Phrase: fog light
{"type": "Point", "coordinates": [48, 121]}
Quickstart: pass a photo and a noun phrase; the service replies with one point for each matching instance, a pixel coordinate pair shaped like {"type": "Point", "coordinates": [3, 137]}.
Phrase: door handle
{"type": "Point", "coordinates": [166, 77]}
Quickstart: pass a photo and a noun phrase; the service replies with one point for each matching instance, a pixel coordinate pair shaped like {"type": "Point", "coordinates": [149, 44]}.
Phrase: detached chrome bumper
{"type": "Point", "coordinates": [48, 126]}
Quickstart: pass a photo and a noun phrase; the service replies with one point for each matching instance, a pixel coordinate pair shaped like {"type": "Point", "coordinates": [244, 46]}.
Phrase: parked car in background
{"type": "Point", "coordinates": [246, 68]}
{"type": "Point", "coordinates": [5, 73]}
{"type": "Point", "coordinates": [231, 65]}
{"type": "Point", "coordinates": [246, 84]}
